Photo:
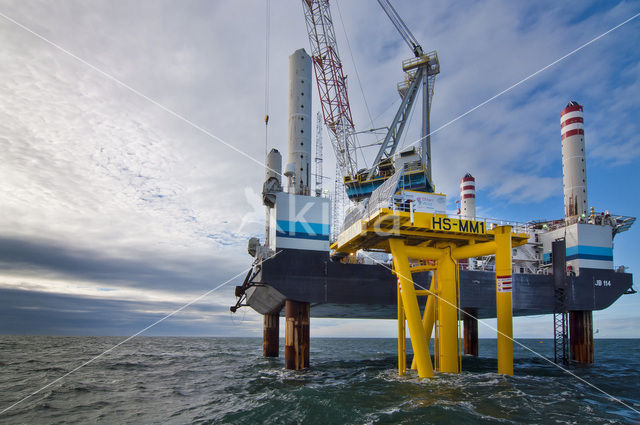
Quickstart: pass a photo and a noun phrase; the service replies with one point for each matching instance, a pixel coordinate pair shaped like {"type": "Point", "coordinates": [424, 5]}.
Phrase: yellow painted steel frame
{"type": "Point", "coordinates": [447, 305]}
{"type": "Point", "coordinates": [428, 317]}
{"type": "Point", "coordinates": [408, 297]}
{"type": "Point", "coordinates": [425, 236]}
{"type": "Point", "coordinates": [446, 302]}
{"type": "Point", "coordinates": [402, 338]}
{"type": "Point", "coordinates": [504, 306]}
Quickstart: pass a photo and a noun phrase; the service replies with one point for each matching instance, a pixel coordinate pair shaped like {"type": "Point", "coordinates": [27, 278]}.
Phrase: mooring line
{"type": "Point", "coordinates": [501, 333]}
{"type": "Point", "coordinates": [508, 89]}
{"type": "Point", "coordinates": [134, 335]}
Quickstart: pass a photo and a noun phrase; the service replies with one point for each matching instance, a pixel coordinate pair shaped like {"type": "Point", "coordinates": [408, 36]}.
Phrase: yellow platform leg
{"type": "Point", "coordinates": [429, 315]}
{"type": "Point", "coordinates": [447, 304]}
{"type": "Point", "coordinates": [504, 308]}
{"type": "Point", "coordinates": [411, 309]}
{"type": "Point", "coordinates": [402, 338]}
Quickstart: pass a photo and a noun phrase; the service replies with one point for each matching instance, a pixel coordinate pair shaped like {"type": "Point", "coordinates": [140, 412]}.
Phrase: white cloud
{"type": "Point", "coordinates": [90, 165]}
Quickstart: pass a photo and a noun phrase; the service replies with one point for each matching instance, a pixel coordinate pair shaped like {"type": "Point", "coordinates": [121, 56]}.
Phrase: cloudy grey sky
{"type": "Point", "coordinates": [114, 212]}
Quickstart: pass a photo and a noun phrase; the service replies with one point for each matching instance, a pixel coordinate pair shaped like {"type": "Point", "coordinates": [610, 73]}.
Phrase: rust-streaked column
{"type": "Point", "coordinates": [581, 336]}
{"type": "Point", "coordinates": [296, 341]}
{"type": "Point", "coordinates": [470, 331]}
{"type": "Point", "coordinates": [271, 335]}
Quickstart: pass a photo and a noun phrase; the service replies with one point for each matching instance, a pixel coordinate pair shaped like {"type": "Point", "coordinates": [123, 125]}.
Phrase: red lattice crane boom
{"type": "Point", "coordinates": [331, 83]}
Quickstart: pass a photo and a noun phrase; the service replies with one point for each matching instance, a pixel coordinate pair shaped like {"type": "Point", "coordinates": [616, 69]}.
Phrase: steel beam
{"type": "Point", "coordinates": [411, 309]}
{"type": "Point", "coordinates": [402, 336]}
{"type": "Point", "coordinates": [428, 317]}
{"type": "Point", "coordinates": [392, 139]}
{"type": "Point", "coordinates": [447, 311]}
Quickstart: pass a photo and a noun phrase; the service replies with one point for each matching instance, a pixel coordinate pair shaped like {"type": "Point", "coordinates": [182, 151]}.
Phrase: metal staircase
{"type": "Point", "coordinates": [560, 315]}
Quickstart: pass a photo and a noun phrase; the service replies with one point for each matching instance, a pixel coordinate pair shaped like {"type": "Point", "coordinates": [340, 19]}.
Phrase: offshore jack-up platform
{"type": "Point", "coordinates": [562, 267]}
{"type": "Point", "coordinates": [442, 269]}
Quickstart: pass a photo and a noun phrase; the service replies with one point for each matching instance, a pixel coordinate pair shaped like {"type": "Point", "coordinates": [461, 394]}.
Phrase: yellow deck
{"type": "Point", "coordinates": [417, 229]}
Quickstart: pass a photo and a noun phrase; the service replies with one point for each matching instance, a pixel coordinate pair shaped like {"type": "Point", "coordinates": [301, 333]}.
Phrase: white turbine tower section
{"type": "Point", "coordinates": [468, 197]}
{"type": "Point", "coordinates": [574, 168]}
{"type": "Point", "coordinates": [272, 185]}
{"type": "Point", "coordinates": [300, 120]}
{"type": "Point", "coordinates": [318, 157]}
{"type": "Point", "coordinates": [274, 166]}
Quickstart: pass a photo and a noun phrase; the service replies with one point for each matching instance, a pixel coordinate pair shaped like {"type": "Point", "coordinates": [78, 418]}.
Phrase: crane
{"type": "Point", "coordinates": [419, 71]}
{"type": "Point", "coordinates": [402, 28]}
{"type": "Point", "coordinates": [331, 82]}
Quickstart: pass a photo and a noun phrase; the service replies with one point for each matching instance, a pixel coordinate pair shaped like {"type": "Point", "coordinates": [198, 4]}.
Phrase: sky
{"type": "Point", "coordinates": [114, 212]}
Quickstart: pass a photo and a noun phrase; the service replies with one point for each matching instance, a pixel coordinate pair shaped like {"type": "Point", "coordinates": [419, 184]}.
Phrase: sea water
{"type": "Point", "coordinates": [351, 381]}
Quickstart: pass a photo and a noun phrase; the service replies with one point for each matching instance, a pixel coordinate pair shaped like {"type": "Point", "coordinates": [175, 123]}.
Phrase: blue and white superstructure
{"type": "Point", "coordinates": [300, 222]}
{"type": "Point", "coordinates": [588, 245]}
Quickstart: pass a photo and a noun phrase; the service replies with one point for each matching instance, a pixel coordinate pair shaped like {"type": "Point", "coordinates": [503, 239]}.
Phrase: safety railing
{"type": "Point", "coordinates": [398, 203]}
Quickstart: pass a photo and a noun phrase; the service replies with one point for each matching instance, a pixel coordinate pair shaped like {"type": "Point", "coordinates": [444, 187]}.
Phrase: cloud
{"type": "Point", "coordinates": [144, 270]}
{"type": "Point", "coordinates": [103, 189]}
{"type": "Point", "coordinates": [483, 49]}
{"type": "Point", "coordinates": [27, 312]}
{"type": "Point", "coordinates": [527, 188]}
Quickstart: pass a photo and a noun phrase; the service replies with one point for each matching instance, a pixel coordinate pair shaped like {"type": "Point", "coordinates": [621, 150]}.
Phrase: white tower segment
{"type": "Point", "coordinates": [468, 197]}
{"type": "Point", "coordinates": [574, 175]}
{"type": "Point", "coordinates": [300, 119]}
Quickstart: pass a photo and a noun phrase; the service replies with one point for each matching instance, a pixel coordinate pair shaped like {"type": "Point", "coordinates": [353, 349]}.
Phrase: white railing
{"type": "Point", "coordinates": [398, 204]}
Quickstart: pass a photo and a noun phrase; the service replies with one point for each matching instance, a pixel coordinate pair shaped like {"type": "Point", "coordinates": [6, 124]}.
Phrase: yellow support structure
{"type": "Point", "coordinates": [504, 307]}
{"type": "Point", "coordinates": [474, 250]}
{"type": "Point", "coordinates": [443, 240]}
{"type": "Point", "coordinates": [428, 317]}
{"type": "Point", "coordinates": [411, 309]}
{"type": "Point", "coordinates": [447, 305]}
{"type": "Point", "coordinates": [402, 338]}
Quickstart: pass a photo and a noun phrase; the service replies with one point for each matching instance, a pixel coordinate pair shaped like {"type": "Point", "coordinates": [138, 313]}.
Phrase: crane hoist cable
{"type": "Point", "coordinates": [355, 67]}
{"type": "Point", "coordinates": [331, 84]}
{"type": "Point", "coordinates": [267, 28]}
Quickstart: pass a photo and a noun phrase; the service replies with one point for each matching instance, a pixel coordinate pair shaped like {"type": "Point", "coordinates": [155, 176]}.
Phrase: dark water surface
{"type": "Point", "coordinates": [355, 381]}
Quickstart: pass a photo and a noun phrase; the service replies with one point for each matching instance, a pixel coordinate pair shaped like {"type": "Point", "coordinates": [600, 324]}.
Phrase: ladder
{"type": "Point", "coordinates": [560, 315]}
